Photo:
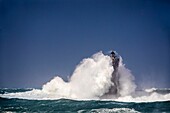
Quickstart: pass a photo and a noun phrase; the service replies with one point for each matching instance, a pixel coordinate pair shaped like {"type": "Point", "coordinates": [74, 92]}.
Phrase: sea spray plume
{"type": "Point", "coordinates": [91, 79]}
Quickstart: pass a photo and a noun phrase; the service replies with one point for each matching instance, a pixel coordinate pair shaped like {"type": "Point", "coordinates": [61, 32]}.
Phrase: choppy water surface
{"type": "Point", "coordinates": [81, 106]}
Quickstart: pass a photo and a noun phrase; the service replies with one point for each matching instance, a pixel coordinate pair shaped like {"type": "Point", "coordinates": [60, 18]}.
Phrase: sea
{"type": "Point", "coordinates": [86, 91]}
{"type": "Point", "coordinates": [63, 105]}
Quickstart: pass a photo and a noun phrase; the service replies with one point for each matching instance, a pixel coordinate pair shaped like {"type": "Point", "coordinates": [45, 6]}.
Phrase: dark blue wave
{"type": "Point", "coordinates": [14, 90]}
{"type": "Point", "coordinates": [66, 105]}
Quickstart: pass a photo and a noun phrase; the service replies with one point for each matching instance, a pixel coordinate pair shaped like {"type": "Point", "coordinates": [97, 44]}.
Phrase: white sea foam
{"type": "Point", "coordinates": [91, 80]}
{"type": "Point", "coordinates": [114, 110]}
{"type": "Point", "coordinates": [153, 97]}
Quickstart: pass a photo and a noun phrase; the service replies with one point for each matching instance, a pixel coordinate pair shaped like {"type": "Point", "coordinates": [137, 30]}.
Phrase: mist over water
{"type": "Point", "coordinates": [91, 79]}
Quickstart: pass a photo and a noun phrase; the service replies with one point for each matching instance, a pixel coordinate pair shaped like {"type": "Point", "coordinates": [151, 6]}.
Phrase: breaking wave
{"type": "Point", "coordinates": [91, 80]}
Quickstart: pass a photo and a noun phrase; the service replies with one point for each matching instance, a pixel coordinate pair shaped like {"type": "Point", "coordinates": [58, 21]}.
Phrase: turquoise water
{"type": "Point", "coordinates": [73, 106]}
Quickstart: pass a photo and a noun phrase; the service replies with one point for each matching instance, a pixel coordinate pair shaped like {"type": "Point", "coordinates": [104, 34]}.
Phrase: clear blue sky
{"type": "Point", "coordinates": [40, 39]}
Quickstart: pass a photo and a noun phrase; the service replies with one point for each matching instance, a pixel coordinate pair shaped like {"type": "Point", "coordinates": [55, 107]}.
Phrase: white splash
{"type": "Point", "coordinates": [91, 79]}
